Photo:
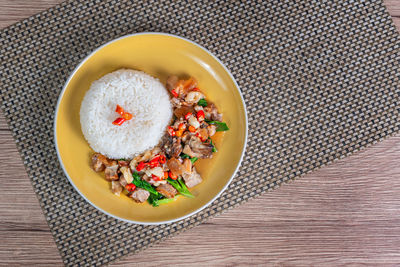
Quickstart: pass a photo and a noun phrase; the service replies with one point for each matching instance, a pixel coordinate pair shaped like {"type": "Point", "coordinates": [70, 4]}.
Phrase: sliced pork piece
{"type": "Point", "coordinates": [186, 135]}
{"type": "Point", "coordinates": [126, 174]}
{"type": "Point", "coordinates": [193, 97]}
{"type": "Point", "coordinates": [197, 108]}
{"type": "Point", "coordinates": [203, 133]}
{"type": "Point", "coordinates": [157, 171]}
{"type": "Point", "coordinates": [212, 129]}
{"type": "Point", "coordinates": [182, 87]}
{"type": "Point", "coordinates": [111, 171]}
{"type": "Point", "coordinates": [122, 180]}
{"type": "Point", "coordinates": [187, 166]}
{"type": "Point", "coordinates": [216, 116]}
{"type": "Point", "coordinates": [192, 179]}
{"type": "Point", "coordinates": [166, 144]}
{"type": "Point", "coordinates": [188, 151]}
{"type": "Point", "coordinates": [155, 151]}
{"type": "Point", "coordinates": [166, 190]}
{"type": "Point", "coordinates": [140, 195]}
{"type": "Point", "coordinates": [98, 162]}
{"type": "Point", "coordinates": [182, 111]}
{"type": "Point", "coordinates": [123, 163]}
{"type": "Point", "coordinates": [200, 149]}
{"type": "Point", "coordinates": [176, 102]}
{"type": "Point", "coordinates": [116, 187]}
{"type": "Point", "coordinates": [175, 166]}
{"type": "Point", "coordinates": [147, 155]}
{"type": "Point", "coordinates": [171, 82]}
{"type": "Point", "coordinates": [190, 84]}
{"type": "Point", "coordinates": [134, 162]}
{"type": "Point", "coordinates": [171, 146]}
{"type": "Point", "coordinates": [176, 148]}
{"type": "Point", "coordinates": [211, 113]}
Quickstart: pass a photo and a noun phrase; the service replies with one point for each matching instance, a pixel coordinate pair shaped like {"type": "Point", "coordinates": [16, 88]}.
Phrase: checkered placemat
{"type": "Point", "coordinates": [320, 80]}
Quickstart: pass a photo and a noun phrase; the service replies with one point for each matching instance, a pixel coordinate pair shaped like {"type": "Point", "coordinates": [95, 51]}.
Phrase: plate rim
{"type": "Point", "coordinates": [73, 74]}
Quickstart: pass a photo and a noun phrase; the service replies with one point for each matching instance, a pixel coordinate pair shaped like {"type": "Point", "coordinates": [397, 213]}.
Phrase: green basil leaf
{"type": "Point", "coordinates": [180, 186]}
{"type": "Point", "coordinates": [202, 102]}
{"type": "Point", "coordinates": [184, 156]}
{"type": "Point", "coordinates": [214, 149]}
{"type": "Point", "coordinates": [143, 184]}
{"type": "Point", "coordinates": [193, 160]}
{"type": "Point", "coordinates": [153, 200]}
{"type": "Point", "coordinates": [221, 126]}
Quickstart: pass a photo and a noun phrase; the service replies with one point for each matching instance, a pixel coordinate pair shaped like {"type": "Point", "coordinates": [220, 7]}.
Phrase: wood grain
{"type": "Point", "coordinates": [346, 213]}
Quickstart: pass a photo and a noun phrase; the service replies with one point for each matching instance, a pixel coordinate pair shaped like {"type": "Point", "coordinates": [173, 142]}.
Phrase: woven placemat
{"type": "Point", "coordinates": [320, 80]}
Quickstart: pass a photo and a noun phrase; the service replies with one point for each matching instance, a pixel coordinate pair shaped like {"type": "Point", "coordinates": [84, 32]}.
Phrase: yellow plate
{"type": "Point", "coordinates": [159, 55]}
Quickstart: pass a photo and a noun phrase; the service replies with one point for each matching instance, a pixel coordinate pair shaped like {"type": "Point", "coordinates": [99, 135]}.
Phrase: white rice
{"type": "Point", "coordinates": [139, 94]}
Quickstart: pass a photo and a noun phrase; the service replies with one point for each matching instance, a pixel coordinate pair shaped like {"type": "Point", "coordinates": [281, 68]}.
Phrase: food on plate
{"type": "Point", "coordinates": [164, 167]}
{"type": "Point", "coordinates": [139, 122]}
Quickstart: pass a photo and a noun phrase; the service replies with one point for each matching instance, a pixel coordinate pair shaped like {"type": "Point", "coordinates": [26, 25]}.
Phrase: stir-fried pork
{"type": "Point", "coordinates": [111, 171]}
{"type": "Point", "coordinates": [166, 144]}
{"type": "Point", "coordinates": [171, 82]}
{"type": "Point", "coordinates": [199, 149]}
{"type": "Point", "coordinates": [167, 190]}
{"type": "Point", "coordinates": [211, 113]}
{"type": "Point", "coordinates": [122, 180]}
{"type": "Point", "coordinates": [98, 161]}
{"type": "Point", "coordinates": [187, 166]}
{"type": "Point", "coordinates": [140, 195]}
{"type": "Point", "coordinates": [176, 148]}
{"type": "Point", "coordinates": [175, 166]}
{"type": "Point", "coordinates": [123, 163]}
{"type": "Point", "coordinates": [192, 179]}
{"type": "Point", "coordinates": [212, 129]}
{"type": "Point", "coordinates": [188, 151]}
{"type": "Point", "coordinates": [182, 111]}
{"type": "Point", "coordinates": [187, 138]}
{"type": "Point", "coordinates": [182, 87]}
{"type": "Point", "coordinates": [126, 174]}
{"type": "Point", "coordinates": [193, 97]}
{"type": "Point", "coordinates": [116, 187]}
{"type": "Point", "coordinates": [203, 133]}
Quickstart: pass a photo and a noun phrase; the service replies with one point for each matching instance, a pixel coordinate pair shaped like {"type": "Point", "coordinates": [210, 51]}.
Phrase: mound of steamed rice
{"type": "Point", "coordinates": [139, 94]}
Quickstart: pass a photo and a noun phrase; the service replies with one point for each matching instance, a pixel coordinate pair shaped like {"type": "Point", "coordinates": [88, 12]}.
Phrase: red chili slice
{"type": "Point", "coordinates": [119, 110]}
{"type": "Point", "coordinates": [172, 176]}
{"type": "Point", "coordinates": [119, 121]}
{"type": "Point", "coordinates": [182, 127]}
{"type": "Point", "coordinates": [188, 115]}
{"type": "Point", "coordinates": [174, 93]}
{"type": "Point", "coordinates": [171, 131]}
{"type": "Point", "coordinates": [141, 166]}
{"type": "Point", "coordinates": [200, 115]}
{"type": "Point", "coordinates": [156, 178]}
{"type": "Point", "coordinates": [130, 187]}
{"type": "Point", "coordinates": [154, 163]}
{"type": "Point", "coordinates": [125, 116]}
{"type": "Point", "coordinates": [162, 159]}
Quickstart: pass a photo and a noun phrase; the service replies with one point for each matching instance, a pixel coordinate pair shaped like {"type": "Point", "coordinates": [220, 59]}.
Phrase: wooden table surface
{"type": "Point", "coordinates": [346, 213]}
